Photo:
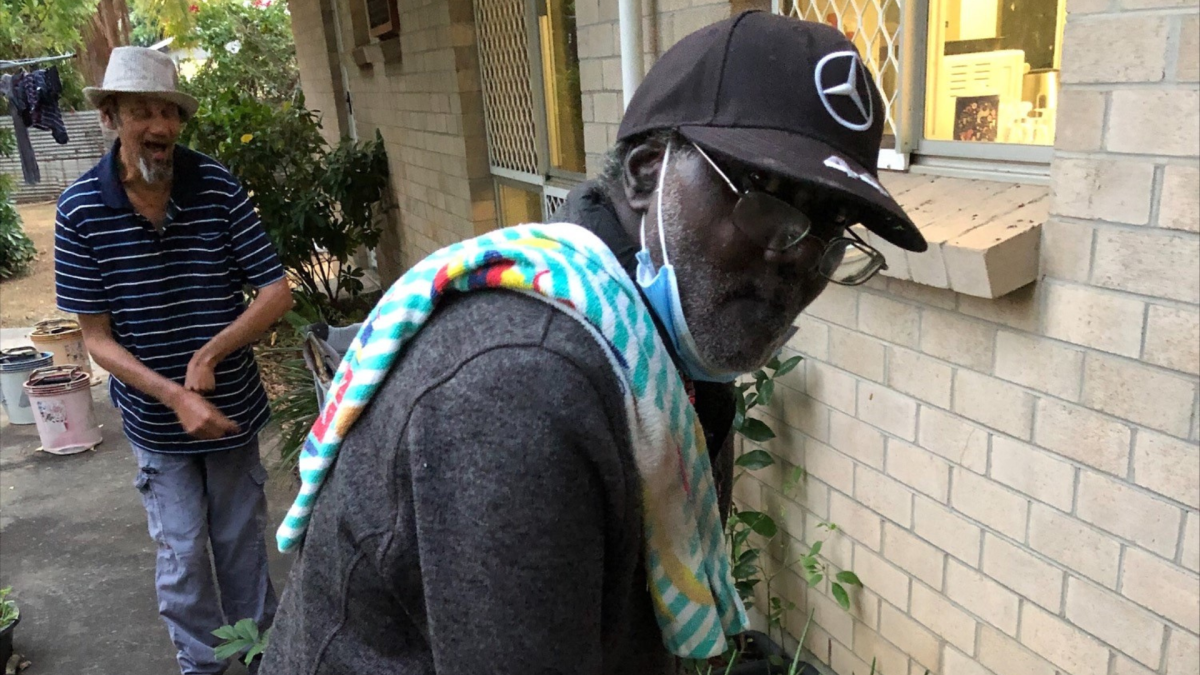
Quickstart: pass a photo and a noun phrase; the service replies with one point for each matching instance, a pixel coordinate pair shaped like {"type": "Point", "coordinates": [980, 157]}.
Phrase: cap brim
{"type": "Point", "coordinates": [810, 161]}
{"type": "Point", "coordinates": [189, 104]}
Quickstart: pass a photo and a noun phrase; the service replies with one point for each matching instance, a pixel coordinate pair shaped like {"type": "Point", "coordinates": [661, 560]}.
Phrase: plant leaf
{"type": "Point", "coordinates": [755, 459]}
{"type": "Point", "coordinates": [766, 391]}
{"type": "Point", "coordinates": [841, 596]}
{"type": "Point", "coordinates": [814, 579]}
{"type": "Point", "coordinates": [761, 523]}
{"type": "Point", "coordinates": [757, 430]}
{"type": "Point", "coordinates": [816, 549]}
{"type": "Point", "coordinates": [788, 366]}
{"type": "Point", "coordinates": [227, 650]}
{"type": "Point", "coordinates": [848, 577]}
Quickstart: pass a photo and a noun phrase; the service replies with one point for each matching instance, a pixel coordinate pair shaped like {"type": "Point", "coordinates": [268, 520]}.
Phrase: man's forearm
{"type": "Point", "coordinates": [269, 306]}
{"type": "Point", "coordinates": [117, 360]}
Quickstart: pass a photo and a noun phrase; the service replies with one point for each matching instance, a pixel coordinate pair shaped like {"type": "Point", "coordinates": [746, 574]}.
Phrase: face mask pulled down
{"type": "Point", "coordinates": [661, 290]}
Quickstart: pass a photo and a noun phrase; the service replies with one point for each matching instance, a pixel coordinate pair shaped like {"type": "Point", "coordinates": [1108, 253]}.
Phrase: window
{"type": "Point", "coordinates": [533, 111]}
{"type": "Point", "coordinates": [962, 79]}
{"type": "Point", "coordinates": [560, 68]}
{"type": "Point", "coordinates": [384, 18]}
{"type": "Point", "coordinates": [517, 204]}
{"type": "Point", "coordinates": [992, 73]}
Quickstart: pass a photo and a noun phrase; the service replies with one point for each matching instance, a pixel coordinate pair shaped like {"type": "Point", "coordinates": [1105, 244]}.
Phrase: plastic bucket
{"type": "Point", "coordinates": [64, 339]}
{"type": "Point", "coordinates": [61, 398]}
{"type": "Point", "coordinates": [15, 366]}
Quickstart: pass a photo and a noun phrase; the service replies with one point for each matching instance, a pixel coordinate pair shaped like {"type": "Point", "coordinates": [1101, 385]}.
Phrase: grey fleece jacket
{"type": "Point", "coordinates": [483, 515]}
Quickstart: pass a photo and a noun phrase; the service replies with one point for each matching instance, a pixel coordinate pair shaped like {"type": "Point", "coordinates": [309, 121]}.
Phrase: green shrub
{"type": "Point", "coordinates": [16, 250]}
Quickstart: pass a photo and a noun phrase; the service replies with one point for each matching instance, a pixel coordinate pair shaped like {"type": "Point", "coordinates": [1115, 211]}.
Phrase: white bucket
{"type": "Point", "coordinates": [64, 339]}
{"type": "Point", "coordinates": [61, 398]}
{"type": "Point", "coordinates": [15, 366]}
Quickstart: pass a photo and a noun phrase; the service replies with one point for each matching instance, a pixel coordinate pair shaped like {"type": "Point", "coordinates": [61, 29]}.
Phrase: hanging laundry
{"type": "Point", "coordinates": [42, 89]}
{"type": "Point", "coordinates": [29, 165]}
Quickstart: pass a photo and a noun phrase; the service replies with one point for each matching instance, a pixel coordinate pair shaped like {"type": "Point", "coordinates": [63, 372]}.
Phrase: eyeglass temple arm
{"type": "Point", "coordinates": [717, 169]}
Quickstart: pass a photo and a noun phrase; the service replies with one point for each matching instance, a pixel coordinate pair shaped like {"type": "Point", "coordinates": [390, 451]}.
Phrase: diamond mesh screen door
{"type": "Point", "coordinates": [875, 27]}
{"type": "Point", "coordinates": [510, 98]}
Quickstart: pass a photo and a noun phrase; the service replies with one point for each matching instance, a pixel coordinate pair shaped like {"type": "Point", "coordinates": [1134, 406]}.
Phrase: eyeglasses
{"type": "Point", "coordinates": [778, 226]}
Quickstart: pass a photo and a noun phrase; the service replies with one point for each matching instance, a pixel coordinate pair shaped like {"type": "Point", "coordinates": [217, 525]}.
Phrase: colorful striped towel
{"type": "Point", "coordinates": [686, 556]}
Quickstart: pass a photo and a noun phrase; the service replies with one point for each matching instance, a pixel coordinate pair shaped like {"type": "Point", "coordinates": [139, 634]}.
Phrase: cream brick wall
{"type": "Point", "coordinates": [1028, 468]}
{"type": "Point", "coordinates": [1016, 480]}
{"type": "Point", "coordinates": [428, 107]}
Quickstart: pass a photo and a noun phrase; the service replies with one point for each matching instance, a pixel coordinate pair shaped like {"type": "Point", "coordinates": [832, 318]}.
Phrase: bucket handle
{"type": "Point", "coordinates": [54, 375]}
{"type": "Point", "coordinates": [18, 352]}
{"type": "Point", "coordinates": [55, 326]}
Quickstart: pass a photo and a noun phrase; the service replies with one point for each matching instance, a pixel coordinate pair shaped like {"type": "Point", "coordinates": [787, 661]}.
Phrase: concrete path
{"type": "Point", "coordinates": [74, 547]}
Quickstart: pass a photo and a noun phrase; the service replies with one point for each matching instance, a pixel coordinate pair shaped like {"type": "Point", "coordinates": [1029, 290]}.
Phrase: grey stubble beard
{"type": "Point", "coordinates": [723, 339]}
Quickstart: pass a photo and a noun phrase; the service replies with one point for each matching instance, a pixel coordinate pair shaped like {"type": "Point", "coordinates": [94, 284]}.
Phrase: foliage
{"type": "Point", "coordinates": [242, 636]}
{"type": "Point", "coordinates": [750, 532]}
{"type": "Point", "coordinates": [16, 250]}
{"type": "Point", "coordinates": [36, 28]}
{"type": "Point", "coordinates": [9, 612]}
{"type": "Point", "coordinates": [250, 50]}
{"type": "Point", "coordinates": [155, 19]}
{"type": "Point", "coordinates": [319, 205]}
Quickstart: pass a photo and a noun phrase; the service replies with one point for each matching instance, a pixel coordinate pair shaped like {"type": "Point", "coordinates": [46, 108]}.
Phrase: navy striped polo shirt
{"type": "Point", "coordinates": [168, 294]}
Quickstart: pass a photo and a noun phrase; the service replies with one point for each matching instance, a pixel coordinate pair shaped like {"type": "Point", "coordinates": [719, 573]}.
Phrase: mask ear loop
{"type": "Point", "coordinates": [662, 238]}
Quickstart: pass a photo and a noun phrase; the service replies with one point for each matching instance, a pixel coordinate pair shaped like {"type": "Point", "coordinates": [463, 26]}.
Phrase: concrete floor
{"type": "Point", "coordinates": [74, 547]}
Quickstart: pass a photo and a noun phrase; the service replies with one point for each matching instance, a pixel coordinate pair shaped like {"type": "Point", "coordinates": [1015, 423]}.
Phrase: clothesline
{"type": "Point", "coordinates": [20, 63]}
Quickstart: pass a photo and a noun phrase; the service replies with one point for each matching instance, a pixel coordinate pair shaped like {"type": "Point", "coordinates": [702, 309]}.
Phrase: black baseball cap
{"type": "Point", "coordinates": [786, 96]}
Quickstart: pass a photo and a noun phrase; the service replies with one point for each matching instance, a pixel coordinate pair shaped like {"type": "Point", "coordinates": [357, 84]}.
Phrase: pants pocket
{"type": "Point", "coordinates": [143, 482]}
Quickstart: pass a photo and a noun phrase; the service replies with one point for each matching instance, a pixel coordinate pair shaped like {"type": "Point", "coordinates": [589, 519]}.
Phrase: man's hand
{"type": "Point", "coordinates": [201, 419]}
{"type": "Point", "coordinates": [200, 376]}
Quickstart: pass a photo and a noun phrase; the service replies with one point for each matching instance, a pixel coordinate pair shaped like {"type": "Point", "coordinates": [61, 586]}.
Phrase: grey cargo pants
{"type": "Point", "coordinates": [201, 503]}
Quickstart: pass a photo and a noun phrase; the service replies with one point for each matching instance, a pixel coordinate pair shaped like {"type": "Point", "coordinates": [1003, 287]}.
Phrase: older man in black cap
{"type": "Point", "coordinates": [467, 530]}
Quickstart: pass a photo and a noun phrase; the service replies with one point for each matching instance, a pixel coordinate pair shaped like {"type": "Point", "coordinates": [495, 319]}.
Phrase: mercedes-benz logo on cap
{"type": "Point", "coordinates": [854, 88]}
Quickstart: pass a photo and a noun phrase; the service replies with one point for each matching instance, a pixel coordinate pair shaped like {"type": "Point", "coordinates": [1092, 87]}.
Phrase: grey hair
{"type": "Point", "coordinates": [611, 175]}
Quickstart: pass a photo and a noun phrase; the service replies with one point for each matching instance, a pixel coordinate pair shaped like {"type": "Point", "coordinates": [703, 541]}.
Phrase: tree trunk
{"type": "Point", "coordinates": [108, 29]}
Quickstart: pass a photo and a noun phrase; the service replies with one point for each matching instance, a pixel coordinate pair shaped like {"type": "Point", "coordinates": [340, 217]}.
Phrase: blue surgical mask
{"type": "Point", "coordinates": [662, 292]}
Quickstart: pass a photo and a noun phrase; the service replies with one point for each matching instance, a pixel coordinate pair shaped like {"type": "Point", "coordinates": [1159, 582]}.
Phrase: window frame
{"type": "Point", "coordinates": [911, 149]}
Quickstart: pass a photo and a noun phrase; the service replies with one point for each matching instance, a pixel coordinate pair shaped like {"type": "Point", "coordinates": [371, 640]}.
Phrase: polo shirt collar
{"type": "Point", "coordinates": [112, 191]}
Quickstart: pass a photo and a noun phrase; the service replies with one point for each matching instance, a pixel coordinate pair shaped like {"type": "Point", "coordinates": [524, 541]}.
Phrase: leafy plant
{"type": "Point", "coordinates": [9, 612]}
{"type": "Point", "coordinates": [319, 204]}
{"type": "Point", "coordinates": [250, 48]}
{"type": "Point", "coordinates": [750, 531]}
{"type": "Point", "coordinates": [16, 249]}
{"type": "Point", "coordinates": [294, 409]}
{"type": "Point", "coordinates": [242, 636]}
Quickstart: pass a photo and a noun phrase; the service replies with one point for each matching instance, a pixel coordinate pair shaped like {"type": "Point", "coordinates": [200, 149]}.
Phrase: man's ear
{"type": "Point", "coordinates": [639, 174]}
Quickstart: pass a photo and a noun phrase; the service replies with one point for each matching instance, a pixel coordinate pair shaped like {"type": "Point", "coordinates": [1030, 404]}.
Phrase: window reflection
{"type": "Point", "coordinates": [993, 70]}
{"type": "Point", "coordinates": [560, 65]}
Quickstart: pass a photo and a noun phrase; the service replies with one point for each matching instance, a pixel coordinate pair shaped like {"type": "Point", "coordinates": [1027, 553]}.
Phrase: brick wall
{"type": "Point", "coordinates": [664, 23]}
{"type": "Point", "coordinates": [60, 164]}
{"type": "Point", "coordinates": [1018, 480]}
{"type": "Point", "coordinates": [428, 107]}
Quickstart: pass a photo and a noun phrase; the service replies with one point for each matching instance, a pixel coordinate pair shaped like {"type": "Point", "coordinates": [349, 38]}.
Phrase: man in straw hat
{"type": "Point", "coordinates": [153, 249]}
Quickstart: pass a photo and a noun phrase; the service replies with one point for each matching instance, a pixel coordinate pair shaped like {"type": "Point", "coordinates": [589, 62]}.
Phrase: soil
{"type": "Point", "coordinates": [29, 298]}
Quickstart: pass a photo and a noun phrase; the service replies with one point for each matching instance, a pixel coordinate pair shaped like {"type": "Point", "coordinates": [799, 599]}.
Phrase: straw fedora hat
{"type": "Point", "coordinates": [138, 70]}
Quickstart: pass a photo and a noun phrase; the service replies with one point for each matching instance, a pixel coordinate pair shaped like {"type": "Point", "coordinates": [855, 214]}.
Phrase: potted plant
{"type": "Point", "coordinates": [10, 616]}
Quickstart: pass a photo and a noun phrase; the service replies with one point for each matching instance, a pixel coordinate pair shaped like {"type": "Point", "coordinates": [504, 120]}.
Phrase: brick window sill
{"type": "Point", "coordinates": [983, 235]}
{"type": "Point", "coordinates": [377, 53]}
